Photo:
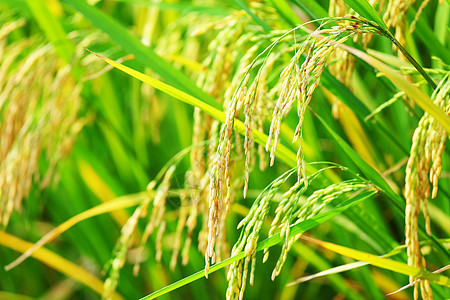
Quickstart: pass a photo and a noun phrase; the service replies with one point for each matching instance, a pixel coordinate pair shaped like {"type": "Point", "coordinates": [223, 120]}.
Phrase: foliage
{"type": "Point", "coordinates": [146, 145]}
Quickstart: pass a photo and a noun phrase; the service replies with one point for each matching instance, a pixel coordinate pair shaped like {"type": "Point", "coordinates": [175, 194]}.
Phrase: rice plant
{"type": "Point", "coordinates": [290, 149]}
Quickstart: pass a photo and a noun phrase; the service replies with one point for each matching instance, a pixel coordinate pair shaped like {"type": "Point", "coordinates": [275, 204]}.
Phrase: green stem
{"type": "Point", "coordinates": [414, 63]}
{"type": "Point", "coordinates": [267, 243]}
{"type": "Point", "coordinates": [402, 49]}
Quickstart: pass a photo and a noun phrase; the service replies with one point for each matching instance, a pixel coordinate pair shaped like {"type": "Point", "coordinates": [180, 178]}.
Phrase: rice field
{"type": "Point", "coordinates": [205, 149]}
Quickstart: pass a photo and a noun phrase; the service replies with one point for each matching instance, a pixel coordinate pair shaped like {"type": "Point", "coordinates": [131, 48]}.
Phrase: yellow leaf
{"type": "Point", "coordinates": [117, 204]}
{"type": "Point", "coordinates": [55, 262]}
{"type": "Point", "coordinates": [282, 152]}
{"type": "Point", "coordinates": [412, 91]}
{"type": "Point", "coordinates": [384, 263]}
{"type": "Point", "coordinates": [101, 190]}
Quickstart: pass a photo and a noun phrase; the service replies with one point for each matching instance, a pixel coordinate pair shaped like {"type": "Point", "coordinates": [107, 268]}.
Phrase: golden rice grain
{"type": "Point", "coordinates": [427, 148]}
{"type": "Point", "coordinates": [40, 104]}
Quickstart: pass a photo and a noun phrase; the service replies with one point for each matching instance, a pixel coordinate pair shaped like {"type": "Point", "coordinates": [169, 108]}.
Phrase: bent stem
{"type": "Point", "coordinates": [414, 63]}
{"type": "Point", "coordinates": [267, 243]}
{"type": "Point", "coordinates": [408, 56]}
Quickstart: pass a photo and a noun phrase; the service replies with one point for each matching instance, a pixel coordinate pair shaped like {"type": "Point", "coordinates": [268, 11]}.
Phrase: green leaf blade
{"type": "Point", "coordinates": [269, 242]}
{"type": "Point", "coordinates": [365, 10]}
{"type": "Point", "coordinates": [145, 55]}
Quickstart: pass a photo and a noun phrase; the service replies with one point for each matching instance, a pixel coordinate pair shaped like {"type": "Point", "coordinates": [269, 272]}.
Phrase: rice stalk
{"type": "Point", "coordinates": [395, 15]}
{"type": "Point", "coordinates": [40, 104]}
{"type": "Point", "coordinates": [155, 219]}
{"type": "Point", "coordinates": [297, 82]}
{"type": "Point", "coordinates": [251, 226]}
{"type": "Point", "coordinates": [219, 64]}
{"type": "Point", "coordinates": [292, 209]}
{"type": "Point", "coordinates": [422, 174]}
{"type": "Point", "coordinates": [119, 254]}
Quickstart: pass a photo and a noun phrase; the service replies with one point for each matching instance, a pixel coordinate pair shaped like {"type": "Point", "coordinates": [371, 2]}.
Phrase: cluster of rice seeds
{"type": "Point", "coordinates": [251, 226]}
{"type": "Point", "coordinates": [282, 219]}
{"type": "Point", "coordinates": [258, 101]}
{"type": "Point", "coordinates": [128, 235]}
{"type": "Point", "coordinates": [156, 219]}
{"type": "Point", "coordinates": [243, 67]}
{"type": "Point", "coordinates": [248, 104]}
{"type": "Point", "coordinates": [182, 219]}
{"type": "Point", "coordinates": [309, 74]}
{"type": "Point", "coordinates": [119, 254]}
{"type": "Point", "coordinates": [219, 66]}
{"type": "Point", "coordinates": [288, 92]}
{"type": "Point", "coordinates": [294, 209]}
{"type": "Point", "coordinates": [298, 83]}
{"type": "Point", "coordinates": [395, 15]}
{"type": "Point", "coordinates": [222, 52]}
{"type": "Point", "coordinates": [220, 175]}
{"type": "Point", "coordinates": [197, 178]}
{"type": "Point", "coordinates": [39, 96]}
{"type": "Point", "coordinates": [265, 105]}
{"type": "Point", "coordinates": [268, 13]}
{"type": "Point", "coordinates": [295, 83]}
{"type": "Point", "coordinates": [424, 167]}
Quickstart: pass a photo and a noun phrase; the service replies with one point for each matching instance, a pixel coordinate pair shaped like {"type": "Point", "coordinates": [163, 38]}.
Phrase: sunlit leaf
{"type": "Point", "coordinates": [107, 207]}
{"type": "Point", "coordinates": [282, 152]}
{"type": "Point", "coordinates": [364, 9]}
{"type": "Point", "coordinates": [410, 89]}
{"type": "Point", "coordinates": [267, 243]}
{"type": "Point", "coordinates": [384, 263]}
{"type": "Point", "coordinates": [55, 262]}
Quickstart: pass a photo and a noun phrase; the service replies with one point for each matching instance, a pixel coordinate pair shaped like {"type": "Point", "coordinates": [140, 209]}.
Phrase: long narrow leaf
{"type": "Point", "coordinates": [56, 262]}
{"type": "Point", "coordinates": [367, 170]}
{"type": "Point", "coordinates": [376, 179]}
{"type": "Point", "coordinates": [364, 9]}
{"type": "Point", "coordinates": [410, 90]}
{"type": "Point", "coordinates": [282, 152]}
{"type": "Point", "coordinates": [107, 207]}
{"type": "Point", "coordinates": [145, 55]}
{"type": "Point", "coordinates": [354, 265]}
{"type": "Point", "coordinates": [52, 28]}
{"type": "Point", "coordinates": [267, 243]}
{"type": "Point", "coordinates": [384, 263]}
